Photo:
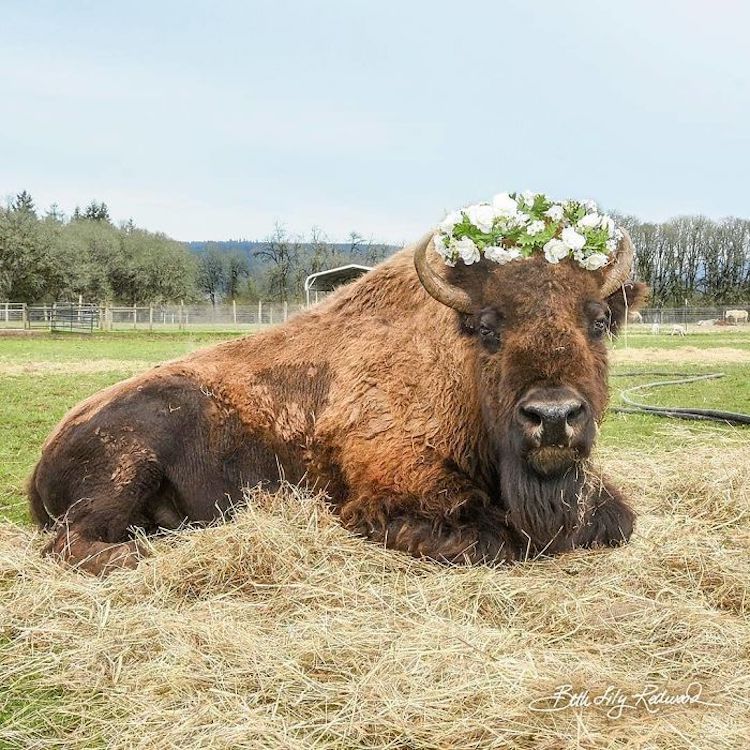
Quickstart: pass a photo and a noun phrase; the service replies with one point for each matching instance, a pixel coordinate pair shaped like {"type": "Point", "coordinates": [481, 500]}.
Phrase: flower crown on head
{"type": "Point", "coordinates": [515, 225]}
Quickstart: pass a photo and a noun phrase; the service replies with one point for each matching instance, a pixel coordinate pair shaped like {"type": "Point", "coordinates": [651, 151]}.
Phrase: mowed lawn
{"type": "Point", "coordinates": [41, 377]}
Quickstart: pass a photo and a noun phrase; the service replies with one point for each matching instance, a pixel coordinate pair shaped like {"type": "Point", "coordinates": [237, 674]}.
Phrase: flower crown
{"type": "Point", "coordinates": [515, 225]}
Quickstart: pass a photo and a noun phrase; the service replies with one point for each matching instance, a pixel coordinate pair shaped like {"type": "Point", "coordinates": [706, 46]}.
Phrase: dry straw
{"type": "Point", "coordinates": [283, 631]}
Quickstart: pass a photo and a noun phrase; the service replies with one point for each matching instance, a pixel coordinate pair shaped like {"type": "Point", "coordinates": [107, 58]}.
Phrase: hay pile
{"type": "Point", "coordinates": [283, 631]}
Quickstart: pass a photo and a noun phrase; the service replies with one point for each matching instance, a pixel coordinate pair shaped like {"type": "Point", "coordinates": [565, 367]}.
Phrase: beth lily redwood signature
{"type": "Point", "coordinates": [617, 702]}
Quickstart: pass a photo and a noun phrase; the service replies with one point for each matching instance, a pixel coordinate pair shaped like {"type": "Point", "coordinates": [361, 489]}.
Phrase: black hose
{"type": "Point", "coordinates": [676, 412]}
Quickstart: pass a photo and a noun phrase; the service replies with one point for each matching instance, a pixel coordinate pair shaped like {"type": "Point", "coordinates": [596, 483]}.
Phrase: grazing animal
{"type": "Point", "coordinates": [448, 412]}
{"type": "Point", "coordinates": [736, 316]}
{"type": "Point", "coordinates": [655, 328]}
{"type": "Point", "coordinates": [678, 330]}
{"type": "Point", "coordinates": [707, 323]}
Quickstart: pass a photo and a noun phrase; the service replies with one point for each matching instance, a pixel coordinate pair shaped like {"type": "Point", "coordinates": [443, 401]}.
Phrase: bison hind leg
{"type": "Point", "coordinates": [95, 534]}
{"type": "Point", "coordinates": [90, 556]}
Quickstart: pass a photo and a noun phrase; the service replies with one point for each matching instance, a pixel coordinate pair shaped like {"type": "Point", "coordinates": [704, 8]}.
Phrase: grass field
{"type": "Point", "coordinates": [283, 631]}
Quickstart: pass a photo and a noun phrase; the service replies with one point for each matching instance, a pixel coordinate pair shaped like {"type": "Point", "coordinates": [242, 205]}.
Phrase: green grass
{"type": "Point", "coordinates": [32, 404]}
{"type": "Point", "coordinates": [733, 338]}
{"type": "Point", "coordinates": [63, 347]}
{"type": "Point", "coordinates": [730, 393]}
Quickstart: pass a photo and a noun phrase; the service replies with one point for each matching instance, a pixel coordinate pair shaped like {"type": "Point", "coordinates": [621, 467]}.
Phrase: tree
{"type": "Point", "coordinates": [24, 255]}
{"type": "Point", "coordinates": [97, 212]}
{"type": "Point", "coordinates": [54, 213]}
{"type": "Point", "coordinates": [282, 253]}
{"type": "Point", "coordinates": [211, 273]}
{"type": "Point", "coordinates": [23, 203]}
{"type": "Point", "coordinates": [355, 240]}
{"type": "Point", "coordinates": [235, 271]}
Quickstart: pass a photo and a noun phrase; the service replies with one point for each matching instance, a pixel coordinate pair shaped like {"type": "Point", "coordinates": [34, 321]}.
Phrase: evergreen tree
{"type": "Point", "coordinates": [97, 212]}
{"type": "Point", "coordinates": [23, 203]}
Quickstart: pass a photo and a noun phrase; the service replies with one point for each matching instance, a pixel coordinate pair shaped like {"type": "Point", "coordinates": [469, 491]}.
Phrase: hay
{"type": "Point", "coordinates": [91, 367]}
{"type": "Point", "coordinates": [283, 631]}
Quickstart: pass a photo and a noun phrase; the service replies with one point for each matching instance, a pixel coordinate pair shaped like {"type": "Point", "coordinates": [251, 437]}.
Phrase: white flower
{"type": "Point", "coordinates": [528, 197]}
{"type": "Point", "coordinates": [440, 243]}
{"type": "Point", "coordinates": [504, 205]}
{"type": "Point", "coordinates": [450, 221]}
{"type": "Point", "coordinates": [481, 216]}
{"type": "Point", "coordinates": [555, 212]}
{"type": "Point", "coordinates": [590, 221]}
{"type": "Point", "coordinates": [467, 250]}
{"type": "Point", "coordinates": [572, 239]}
{"type": "Point", "coordinates": [608, 224]}
{"type": "Point", "coordinates": [502, 255]}
{"type": "Point", "coordinates": [535, 228]}
{"type": "Point", "coordinates": [555, 250]}
{"type": "Point", "coordinates": [594, 261]}
{"type": "Point", "coordinates": [517, 220]}
{"type": "Point", "coordinates": [590, 206]}
{"type": "Point", "coordinates": [611, 244]}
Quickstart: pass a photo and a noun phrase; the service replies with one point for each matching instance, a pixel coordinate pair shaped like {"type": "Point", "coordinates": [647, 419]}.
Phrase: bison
{"type": "Point", "coordinates": [447, 412]}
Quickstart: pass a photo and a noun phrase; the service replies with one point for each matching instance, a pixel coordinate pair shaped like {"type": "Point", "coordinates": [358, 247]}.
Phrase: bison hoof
{"type": "Point", "coordinates": [611, 526]}
{"type": "Point", "coordinates": [97, 558]}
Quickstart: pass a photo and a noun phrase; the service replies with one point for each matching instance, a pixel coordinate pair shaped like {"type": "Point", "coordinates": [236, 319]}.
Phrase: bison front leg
{"type": "Point", "coordinates": [474, 533]}
{"type": "Point", "coordinates": [609, 522]}
{"type": "Point", "coordinates": [455, 543]}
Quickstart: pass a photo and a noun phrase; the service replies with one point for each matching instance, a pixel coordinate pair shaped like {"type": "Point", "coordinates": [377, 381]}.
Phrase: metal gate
{"type": "Point", "coordinates": [64, 317]}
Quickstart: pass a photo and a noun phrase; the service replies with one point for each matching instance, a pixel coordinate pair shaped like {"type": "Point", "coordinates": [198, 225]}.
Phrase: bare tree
{"type": "Point", "coordinates": [282, 253]}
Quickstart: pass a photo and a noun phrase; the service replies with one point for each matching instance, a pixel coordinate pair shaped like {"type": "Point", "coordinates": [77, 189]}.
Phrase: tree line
{"type": "Point", "coordinates": [53, 257]}
{"type": "Point", "coordinates": [693, 260]}
{"type": "Point", "coordinates": [49, 256]}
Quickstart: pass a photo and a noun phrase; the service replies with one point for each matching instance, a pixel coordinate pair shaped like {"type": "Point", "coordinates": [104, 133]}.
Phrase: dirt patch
{"type": "Point", "coordinates": [74, 368]}
{"type": "Point", "coordinates": [684, 354]}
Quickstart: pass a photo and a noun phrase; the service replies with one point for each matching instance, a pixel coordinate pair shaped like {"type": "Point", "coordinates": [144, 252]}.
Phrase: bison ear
{"type": "Point", "coordinates": [627, 299]}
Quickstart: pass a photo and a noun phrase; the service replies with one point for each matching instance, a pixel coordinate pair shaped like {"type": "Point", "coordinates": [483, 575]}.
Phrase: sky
{"type": "Point", "coordinates": [214, 120]}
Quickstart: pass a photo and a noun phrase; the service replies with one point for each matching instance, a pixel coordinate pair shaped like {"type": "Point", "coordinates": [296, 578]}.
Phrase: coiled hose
{"type": "Point", "coordinates": [676, 412]}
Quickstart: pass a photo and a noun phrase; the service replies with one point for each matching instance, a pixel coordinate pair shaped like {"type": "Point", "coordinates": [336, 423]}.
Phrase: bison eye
{"type": "Point", "coordinates": [489, 338]}
{"type": "Point", "coordinates": [599, 327]}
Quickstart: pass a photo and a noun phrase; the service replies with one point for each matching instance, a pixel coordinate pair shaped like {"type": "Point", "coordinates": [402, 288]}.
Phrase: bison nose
{"type": "Point", "coordinates": [552, 420]}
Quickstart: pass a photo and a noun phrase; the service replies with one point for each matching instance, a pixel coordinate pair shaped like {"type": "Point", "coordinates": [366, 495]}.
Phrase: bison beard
{"type": "Point", "coordinates": [449, 414]}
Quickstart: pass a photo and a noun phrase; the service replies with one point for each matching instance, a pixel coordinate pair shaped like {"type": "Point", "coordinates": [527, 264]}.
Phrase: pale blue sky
{"type": "Point", "coordinates": [213, 120]}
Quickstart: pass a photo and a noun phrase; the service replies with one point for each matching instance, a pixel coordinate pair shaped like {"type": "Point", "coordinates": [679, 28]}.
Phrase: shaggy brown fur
{"type": "Point", "coordinates": [404, 410]}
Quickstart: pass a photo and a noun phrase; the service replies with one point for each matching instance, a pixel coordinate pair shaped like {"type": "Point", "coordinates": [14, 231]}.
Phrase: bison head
{"type": "Point", "coordinates": [539, 332]}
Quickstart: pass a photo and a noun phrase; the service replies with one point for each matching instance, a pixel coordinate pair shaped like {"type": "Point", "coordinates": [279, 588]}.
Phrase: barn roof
{"type": "Point", "coordinates": [327, 281]}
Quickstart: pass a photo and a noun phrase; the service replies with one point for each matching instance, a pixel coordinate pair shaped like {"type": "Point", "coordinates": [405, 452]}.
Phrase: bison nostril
{"type": "Point", "coordinates": [531, 415]}
{"type": "Point", "coordinates": [575, 413]}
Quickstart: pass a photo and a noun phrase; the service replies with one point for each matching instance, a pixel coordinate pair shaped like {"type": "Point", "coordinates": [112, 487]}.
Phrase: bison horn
{"type": "Point", "coordinates": [435, 285]}
{"type": "Point", "coordinates": [619, 272]}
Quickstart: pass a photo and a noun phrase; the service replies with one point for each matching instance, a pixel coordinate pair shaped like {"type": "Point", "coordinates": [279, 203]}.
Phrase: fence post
{"type": "Point", "coordinates": [286, 311]}
{"type": "Point", "coordinates": [260, 311]}
{"type": "Point", "coordinates": [179, 325]}
{"type": "Point", "coordinates": [234, 313]}
{"type": "Point", "coordinates": [135, 317]}
{"type": "Point", "coordinates": [25, 316]}
{"type": "Point", "coordinates": [6, 311]}
{"type": "Point", "coordinates": [150, 317]}
{"type": "Point", "coordinates": [270, 314]}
